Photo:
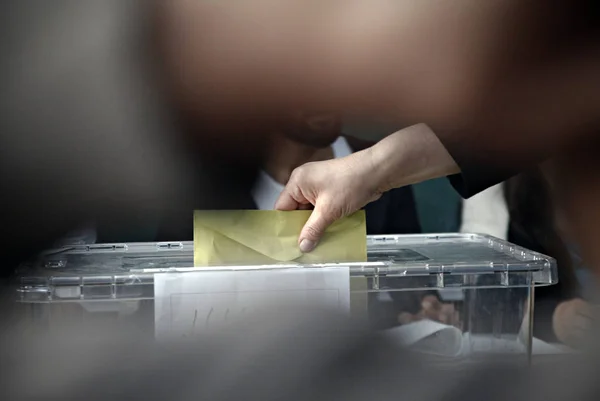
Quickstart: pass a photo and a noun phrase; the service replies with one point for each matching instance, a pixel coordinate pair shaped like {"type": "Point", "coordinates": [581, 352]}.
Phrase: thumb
{"type": "Point", "coordinates": [314, 229]}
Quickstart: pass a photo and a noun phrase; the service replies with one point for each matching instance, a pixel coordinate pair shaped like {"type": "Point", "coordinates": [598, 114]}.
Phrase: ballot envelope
{"type": "Point", "coordinates": [451, 297]}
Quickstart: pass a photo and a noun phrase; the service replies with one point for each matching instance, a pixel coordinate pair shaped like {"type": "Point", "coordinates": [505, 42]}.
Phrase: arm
{"type": "Point", "coordinates": [487, 71]}
{"type": "Point", "coordinates": [339, 187]}
{"type": "Point", "coordinates": [535, 114]}
{"type": "Point", "coordinates": [416, 152]}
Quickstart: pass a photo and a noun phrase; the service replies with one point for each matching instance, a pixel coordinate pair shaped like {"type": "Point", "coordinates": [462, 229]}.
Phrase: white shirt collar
{"type": "Point", "coordinates": [266, 190]}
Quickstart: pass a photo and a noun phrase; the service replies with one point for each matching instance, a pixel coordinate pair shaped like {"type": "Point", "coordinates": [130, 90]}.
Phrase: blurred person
{"type": "Point", "coordinates": [82, 100]}
{"type": "Point", "coordinates": [112, 115]}
{"type": "Point", "coordinates": [308, 355]}
{"type": "Point", "coordinates": [118, 118]}
{"type": "Point", "coordinates": [528, 77]}
{"type": "Point", "coordinates": [432, 307]}
{"type": "Point", "coordinates": [560, 311]}
{"type": "Point", "coordinates": [86, 128]}
{"type": "Point", "coordinates": [355, 369]}
{"type": "Point", "coordinates": [302, 137]}
{"type": "Point", "coordinates": [521, 211]}
{"type": "Point", "coordinates": [227, 373]}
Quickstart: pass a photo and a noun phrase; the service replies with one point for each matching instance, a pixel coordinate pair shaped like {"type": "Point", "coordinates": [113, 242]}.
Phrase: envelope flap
{"type": "Point", "coordinates": [271, 233]}
{"type": "Point", "coordinates": [274, 234]}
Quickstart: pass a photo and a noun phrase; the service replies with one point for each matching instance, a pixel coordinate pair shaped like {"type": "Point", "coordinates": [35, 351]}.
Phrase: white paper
{"type": "Point", "coordinates": [493, 344]}
{"type": "Point", "coordinates": [539, 347]}
{"type": "Point", "coordinates": [429, 337]}
{"type": "Point", "coordinates": [195, 303]}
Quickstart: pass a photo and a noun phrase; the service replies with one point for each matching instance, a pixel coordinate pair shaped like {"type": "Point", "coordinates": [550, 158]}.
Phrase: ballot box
{"type": "Point", "coordinates": [448, 296]}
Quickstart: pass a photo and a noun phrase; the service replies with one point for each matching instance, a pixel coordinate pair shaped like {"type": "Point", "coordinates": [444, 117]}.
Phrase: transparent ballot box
{"type": "Point", "coordinates": [449, 296]}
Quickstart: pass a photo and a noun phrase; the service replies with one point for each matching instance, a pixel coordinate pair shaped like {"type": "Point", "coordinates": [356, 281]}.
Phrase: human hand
{"type": "Point", "coordinates": [336, 188]}
{"type": "Point", "coordinates": [432, 309]}
{"type": "Point", "coordinates": [571, 321]}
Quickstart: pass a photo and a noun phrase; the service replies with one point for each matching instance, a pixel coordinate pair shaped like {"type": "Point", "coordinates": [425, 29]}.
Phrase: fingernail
{"type": "Point", "coordinates": [307, 245]}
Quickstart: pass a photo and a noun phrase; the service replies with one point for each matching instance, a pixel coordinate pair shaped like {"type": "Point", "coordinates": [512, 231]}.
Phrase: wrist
{"type": "Point", "coordinates": [381, 173]}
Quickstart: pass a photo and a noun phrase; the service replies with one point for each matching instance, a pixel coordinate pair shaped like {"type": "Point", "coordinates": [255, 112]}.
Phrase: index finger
{"type": "Point", "coordinates": [287, 201]}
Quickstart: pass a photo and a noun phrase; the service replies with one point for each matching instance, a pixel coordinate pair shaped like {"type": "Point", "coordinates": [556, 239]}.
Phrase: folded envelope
{"type": "Point", "coordinates": [256, 237]}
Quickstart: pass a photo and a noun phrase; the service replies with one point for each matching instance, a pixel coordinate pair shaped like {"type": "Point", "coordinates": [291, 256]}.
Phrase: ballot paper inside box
{"type": "Point", "coordinates": [154, 288]}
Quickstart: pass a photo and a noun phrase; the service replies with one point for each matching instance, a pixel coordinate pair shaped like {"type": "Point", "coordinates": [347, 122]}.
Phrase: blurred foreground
{"type": "Point", "coordinates": [311, 355]}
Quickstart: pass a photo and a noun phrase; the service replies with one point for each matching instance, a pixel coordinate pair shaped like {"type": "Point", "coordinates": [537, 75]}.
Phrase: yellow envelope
{"type": "Point", "coordinates": [256, 237]}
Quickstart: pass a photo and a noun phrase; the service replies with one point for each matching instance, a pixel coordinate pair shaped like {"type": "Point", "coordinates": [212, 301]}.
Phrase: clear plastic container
{"type": "Point", "coordinates": [483, 285]}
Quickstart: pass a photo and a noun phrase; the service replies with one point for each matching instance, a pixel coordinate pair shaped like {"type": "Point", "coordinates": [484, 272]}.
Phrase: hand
{"type": "Point", "coordinates": [336, 188]}
{"type": "Point", "coordinates": [432, 309]}
{"type": "Point", "coordinates": [571, 321]}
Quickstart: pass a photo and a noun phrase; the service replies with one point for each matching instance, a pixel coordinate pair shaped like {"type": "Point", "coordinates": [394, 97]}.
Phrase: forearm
{"type": "Point", "coordinates": [449, 65]}
{"type": "Point", "coordinates": [409, 156]}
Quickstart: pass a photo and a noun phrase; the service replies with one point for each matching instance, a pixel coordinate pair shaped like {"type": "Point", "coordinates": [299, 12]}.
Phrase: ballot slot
{"type": "Point", "coordinates": [169, 245]}
{"type": "Point", "coordinates": [394, 255]}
